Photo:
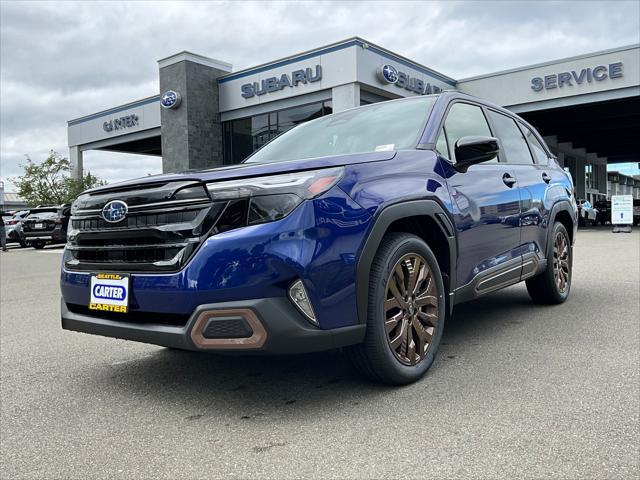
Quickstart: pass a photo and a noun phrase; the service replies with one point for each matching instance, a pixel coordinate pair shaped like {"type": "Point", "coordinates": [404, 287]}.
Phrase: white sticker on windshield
{"type": "Point", "coordinates": [385, 148]}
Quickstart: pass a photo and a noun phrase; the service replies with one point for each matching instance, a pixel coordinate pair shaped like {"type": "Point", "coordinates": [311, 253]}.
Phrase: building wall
{"type": "Point", "coordinates": [346, 67]}
{"type": "Point", "coordinates": [192, 135]}
{"type": "Point", "coordinates": [338, 67]}
{"type": "Point", "coordinates": [91, 128]}
{"type": "Point", "coordinates": [514, 87]}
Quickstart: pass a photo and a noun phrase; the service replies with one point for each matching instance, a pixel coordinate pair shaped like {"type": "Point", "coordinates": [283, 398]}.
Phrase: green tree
{"type": "Point", "coordinates": [50, 183]}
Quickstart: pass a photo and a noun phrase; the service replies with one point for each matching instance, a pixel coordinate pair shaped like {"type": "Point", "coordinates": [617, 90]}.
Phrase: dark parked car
{"type": "Point", "coordinates": [46, 225]}
{"type": "Point", "coordinates": [360, 229]}
{"type": "Point", "coordinates": [604, 212]}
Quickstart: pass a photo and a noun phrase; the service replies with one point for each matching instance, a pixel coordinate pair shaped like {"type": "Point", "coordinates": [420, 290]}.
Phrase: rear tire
{"type": "Point", "coordinates": [406, 312]}
{"type": "Point", "coordinates": [553, 285]}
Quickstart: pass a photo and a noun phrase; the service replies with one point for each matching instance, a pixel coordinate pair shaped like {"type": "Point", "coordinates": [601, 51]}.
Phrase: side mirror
{"type": "Point", "coordinates": [475, 149]}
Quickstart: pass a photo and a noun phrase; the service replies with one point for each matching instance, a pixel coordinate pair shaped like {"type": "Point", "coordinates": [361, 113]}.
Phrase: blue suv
{"type": "Point", "coordinates": [359, 230]}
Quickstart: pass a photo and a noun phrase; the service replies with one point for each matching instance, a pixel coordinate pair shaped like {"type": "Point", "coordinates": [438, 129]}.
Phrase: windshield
{"type": "Point", "coordinates": [377, 127]}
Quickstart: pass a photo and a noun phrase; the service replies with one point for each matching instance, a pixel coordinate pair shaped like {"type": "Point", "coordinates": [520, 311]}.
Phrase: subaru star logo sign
{"type": "Point", "coordinates": [170, 99]}
{"type": "Point", "coordinates": [114, 211]}
{"type": "Point", "coordinates": [388, 74]}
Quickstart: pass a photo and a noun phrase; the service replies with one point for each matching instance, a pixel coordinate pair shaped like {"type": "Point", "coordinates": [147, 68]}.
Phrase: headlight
{"type": "Point", "coordinates": [264, 199]}
{"type": "Point", "coordinates": [303, 184]}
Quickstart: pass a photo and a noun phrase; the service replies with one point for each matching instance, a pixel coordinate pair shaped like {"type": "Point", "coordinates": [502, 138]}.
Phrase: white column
{"type": "Point", "coordinates": [75, 156]}
{"type": "Point", "coordinates": [345, 97]}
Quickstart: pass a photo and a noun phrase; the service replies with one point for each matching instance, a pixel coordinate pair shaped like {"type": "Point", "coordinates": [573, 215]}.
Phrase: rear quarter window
{"type": "Point", "coordinates": [539, 152]}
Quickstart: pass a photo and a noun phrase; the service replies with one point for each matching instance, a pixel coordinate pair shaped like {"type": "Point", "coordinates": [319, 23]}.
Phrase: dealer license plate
{"type": "Point", "coordinates": [38, 225]}
{"type": "Point", "coordinates": [109, 292]}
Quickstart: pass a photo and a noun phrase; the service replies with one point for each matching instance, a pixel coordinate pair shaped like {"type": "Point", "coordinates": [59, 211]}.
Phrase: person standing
{"type": "Point", "coordinates": [3, 236]}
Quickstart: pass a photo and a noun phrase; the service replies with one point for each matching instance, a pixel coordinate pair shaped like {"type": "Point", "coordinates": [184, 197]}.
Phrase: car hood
{"type": "Point", "coordinates": [246, 170]}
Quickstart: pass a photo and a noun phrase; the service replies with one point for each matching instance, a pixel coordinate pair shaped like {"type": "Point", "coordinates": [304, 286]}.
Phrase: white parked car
{"type": "Point", "coordinates": [587, 214]}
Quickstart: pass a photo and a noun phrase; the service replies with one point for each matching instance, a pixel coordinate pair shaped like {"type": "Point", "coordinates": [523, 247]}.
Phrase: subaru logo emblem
{"type": "Point", "coordinates": [114, 211]}
{"type": "Point", "coordinates": [170, 99]}
{"type": "Point", "coordinates": [388, 74]}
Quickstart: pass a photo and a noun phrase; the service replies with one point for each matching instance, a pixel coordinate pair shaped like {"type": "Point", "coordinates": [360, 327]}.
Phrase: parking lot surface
{"type": "Point", "coordinates": [517, 391]}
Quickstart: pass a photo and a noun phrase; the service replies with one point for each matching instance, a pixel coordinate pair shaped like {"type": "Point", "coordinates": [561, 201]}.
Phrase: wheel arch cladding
{"type": "Point", "coordinates": [564, 217]}
{"type": "Point", "coordinates": [424, 218]}
{"type": "Point", "coordinates": [562, 212]}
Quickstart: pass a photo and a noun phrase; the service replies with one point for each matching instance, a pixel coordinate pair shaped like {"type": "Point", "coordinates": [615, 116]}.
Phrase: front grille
{"type": "Point", "coordinates": [128, 255]}
{"type": "Point", "coordinates": [136, 221]}
{"type": "Point", "coordinates": [133, 316]}
{"type": "Point", "coordinates": [153, 236]}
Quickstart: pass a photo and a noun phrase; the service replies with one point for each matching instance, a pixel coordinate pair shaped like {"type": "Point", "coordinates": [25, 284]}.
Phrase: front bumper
{"type": "Point", "coordinates": [317, 243]}
{"type": "Point", "coordinates": [274, 326]}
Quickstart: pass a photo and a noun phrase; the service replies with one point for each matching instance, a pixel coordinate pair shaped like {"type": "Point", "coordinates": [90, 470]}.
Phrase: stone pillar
{"type": "Point", "coordinates": [191, 132]}
{"type": "Point", "coordinates": [75, 157]}
{"type": "Point", "coordinates": [345, 96]}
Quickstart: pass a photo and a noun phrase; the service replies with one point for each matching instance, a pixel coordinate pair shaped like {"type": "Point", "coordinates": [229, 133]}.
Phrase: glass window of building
{"type": "Point", "coordinates": [591, 176]}
{"type": "Point", "coordinates": [244, 136]}
{"type": "Point", "coordinates": [289, 118]}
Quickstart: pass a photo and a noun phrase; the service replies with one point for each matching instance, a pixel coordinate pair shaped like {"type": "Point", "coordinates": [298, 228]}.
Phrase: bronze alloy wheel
{"type": "Point", "coordinates": [411, 309]}
{"type": "Point", "coordinates": [561, 262]}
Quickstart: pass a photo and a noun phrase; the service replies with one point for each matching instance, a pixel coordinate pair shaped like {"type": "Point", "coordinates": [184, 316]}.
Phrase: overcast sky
{"type": "Point", "coordinates": [60, 61]}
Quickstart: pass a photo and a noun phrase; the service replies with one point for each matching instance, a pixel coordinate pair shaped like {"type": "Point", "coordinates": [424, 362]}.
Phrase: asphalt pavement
{"type": "Point", "coordinates": [517, 391]}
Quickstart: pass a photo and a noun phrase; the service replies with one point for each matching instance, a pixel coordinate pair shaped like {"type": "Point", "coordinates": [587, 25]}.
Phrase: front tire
{"type": "Point", "coordinates": [406, 312]}
{"type": "Point", "coordinates": [553, 285]}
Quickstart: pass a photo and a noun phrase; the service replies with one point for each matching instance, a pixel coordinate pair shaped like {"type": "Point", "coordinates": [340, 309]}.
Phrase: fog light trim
{"type": "Point", "coordinates": [300, 298]}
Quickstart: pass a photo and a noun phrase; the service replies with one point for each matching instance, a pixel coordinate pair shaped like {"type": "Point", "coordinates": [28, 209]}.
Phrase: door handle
{"type": "Point", "coordinates": [546, 177]}
{"type": "Point", "coordinates": [508, 180]}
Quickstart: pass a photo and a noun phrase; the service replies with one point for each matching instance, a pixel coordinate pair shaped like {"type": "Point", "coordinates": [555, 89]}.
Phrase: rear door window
{"type": "Point", "coordinates": [514, 148]}
{"type": "Point", "coordinates": [465, 120]}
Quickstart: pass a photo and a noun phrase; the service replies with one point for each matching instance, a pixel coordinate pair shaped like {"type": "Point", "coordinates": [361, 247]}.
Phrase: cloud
{"type": "Point", "coordinates": [59, 61]}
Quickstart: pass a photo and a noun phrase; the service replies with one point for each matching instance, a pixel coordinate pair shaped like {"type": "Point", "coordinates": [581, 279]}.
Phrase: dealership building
{"type": "Point", "coordinates": [587, 107]}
